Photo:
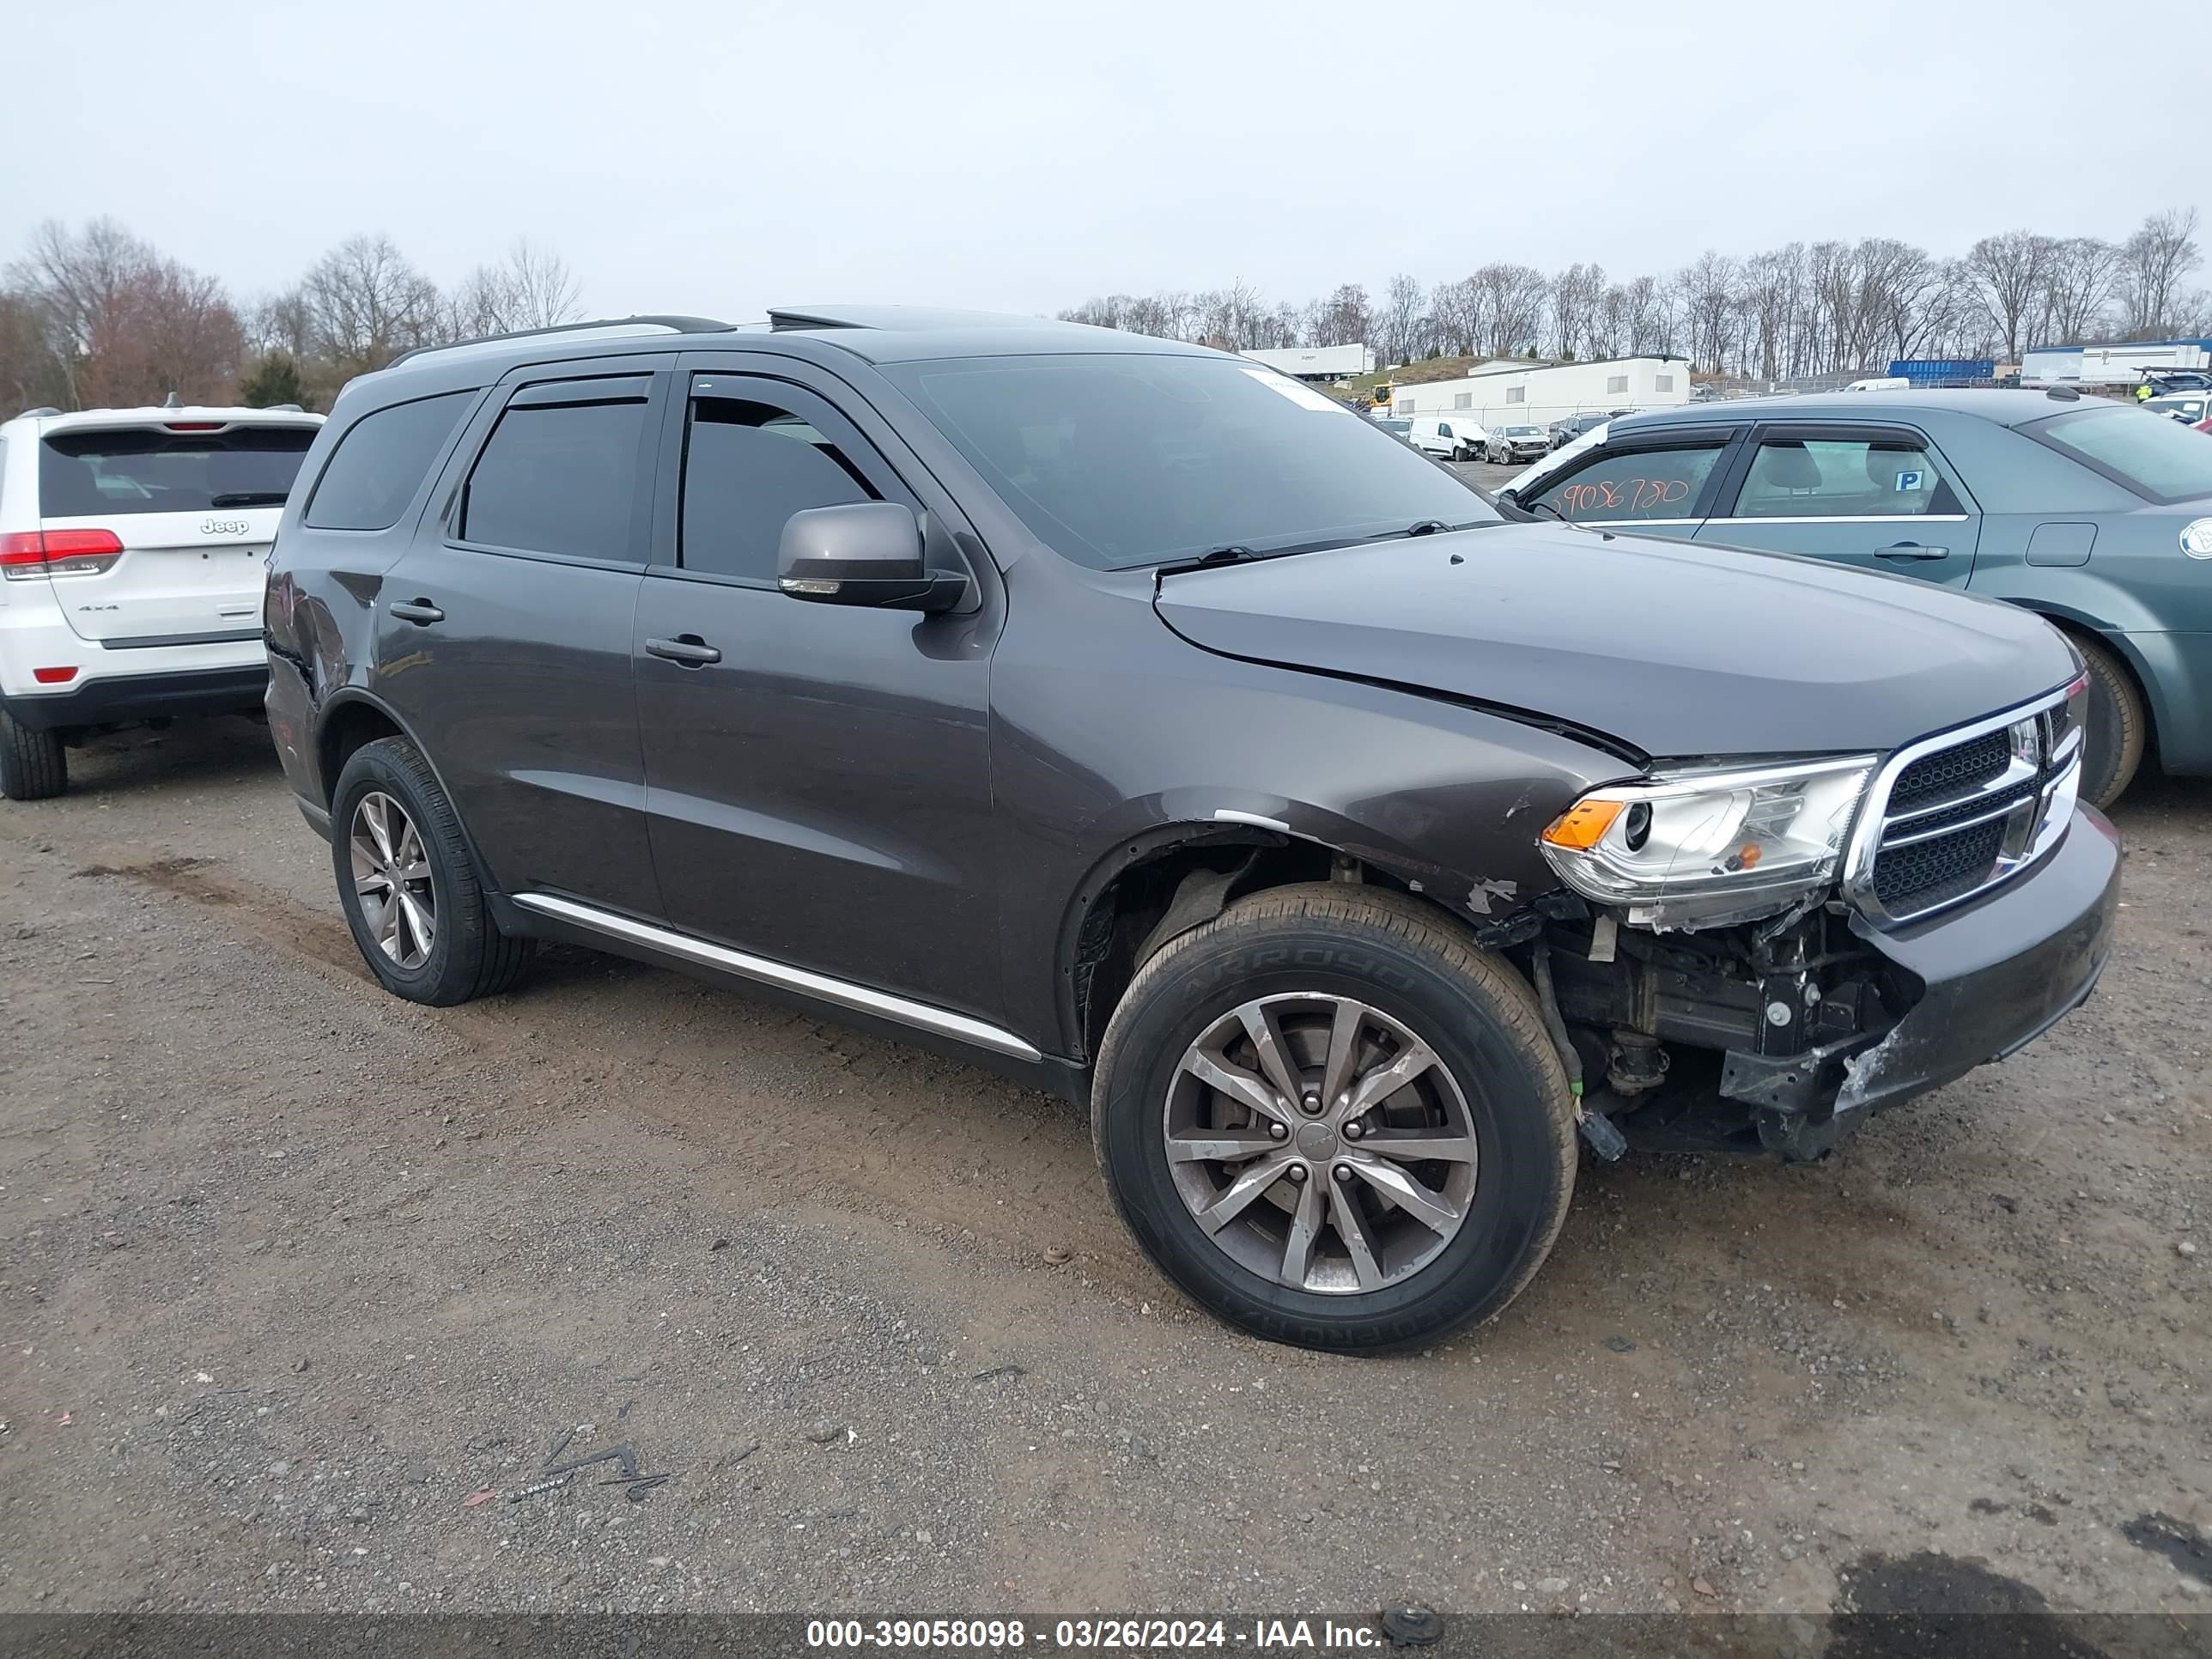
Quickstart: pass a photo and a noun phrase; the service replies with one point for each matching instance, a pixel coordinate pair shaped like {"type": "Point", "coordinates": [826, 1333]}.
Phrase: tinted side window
{"type": "Point", "coordinates": [1844, 477]}
{"type": "Point", "coordinates": [747, 468]}
{"type": "Point", "coordinates": [380, 463]}
{"type": "Point", "coordinates": [1634, 484]}
{"type": "Point", "coordinates": [560, 478]}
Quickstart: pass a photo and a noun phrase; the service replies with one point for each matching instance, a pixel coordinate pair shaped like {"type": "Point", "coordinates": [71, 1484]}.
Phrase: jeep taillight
{"type": "Point", "coordinates": [27, 554]}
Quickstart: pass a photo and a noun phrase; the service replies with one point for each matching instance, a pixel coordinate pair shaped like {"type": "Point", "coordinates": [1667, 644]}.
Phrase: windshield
{"type": "Point", "coordinates": [105, 470]}
{"type": "Point", "coordinates": [1117, 460]}
{"type": "Point", "coordinates": [2151, 454]}
{"type": "Point", "coordinates": [1524, 431]}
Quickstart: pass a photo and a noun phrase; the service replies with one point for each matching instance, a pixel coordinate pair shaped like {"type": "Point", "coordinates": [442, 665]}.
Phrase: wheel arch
{"type": "Point", "coordinates": [1138, 895]}
{"type": "Point", "coordinates": [350, 721]}
{"type": "Point", "coordinates": [354, 718]}
{"type": "Point", "coordinates": [2076, 624]}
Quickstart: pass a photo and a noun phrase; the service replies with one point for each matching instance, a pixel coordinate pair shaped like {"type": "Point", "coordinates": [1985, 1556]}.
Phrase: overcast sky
{"type": "Point", "coordinates": [690, 155]}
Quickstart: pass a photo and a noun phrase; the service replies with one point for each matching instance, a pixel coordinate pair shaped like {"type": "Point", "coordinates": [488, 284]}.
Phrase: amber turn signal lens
{"type": "Point", "coordinates": [1581, 824]}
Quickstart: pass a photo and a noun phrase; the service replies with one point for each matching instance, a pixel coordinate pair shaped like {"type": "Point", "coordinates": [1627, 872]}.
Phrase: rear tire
{"type": "Point", "coordinates": [2118, 727]}
{"type": "Point", "coordinates": [1313, 960]}
{"type": "Point", "coordinates": [408, 885]}
{"type": "Point", "coordinates": [33, 764]}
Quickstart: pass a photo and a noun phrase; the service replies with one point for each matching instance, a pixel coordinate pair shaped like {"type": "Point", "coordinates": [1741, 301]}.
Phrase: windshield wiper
{"type": "Point", "coordinates": [1426, 527]}
{"type": "Point", "coordinates": [249, 498]}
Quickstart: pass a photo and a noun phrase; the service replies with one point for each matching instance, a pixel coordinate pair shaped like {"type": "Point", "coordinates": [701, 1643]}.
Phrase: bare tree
{"type": "Point", "coordinates": [1773, 297]}
{"type": "Point", "coordinates": [2082, 275]}
{"type": "Point", "coordinates": [170, 330]}
{"type": "Point", "coordinates": [1343, 318]}
{"type": "Point", "coordinates": [1800, 309]}
{"type": "Point", "coordinates": [2008, 277]}
{"type": "Point", "coordinates": [1456, 309]}
{"type": "Point", "coordinates": [1708, 290]}
{"type": "Point", "coordinates": [1400, 328]}
{"type": "Point", "coordinates": [119, 322]}
{"type": "Point", "coordinates": [1510, 301]}
{"type": "Point", "coordinates": [533, 287]}
{"type": "Point", "coordinates": [1571, 296]}
{"type": "Point", "coordinates": [366, 303]}
{"type": "Point", "coordinates": [30, 373]}
{"type": "Point", "coordinates": [75, 282]}
{"type": "Point", "coordinates": [543, 287]}
{"type": "Point", "coordinates": [2152, 263]}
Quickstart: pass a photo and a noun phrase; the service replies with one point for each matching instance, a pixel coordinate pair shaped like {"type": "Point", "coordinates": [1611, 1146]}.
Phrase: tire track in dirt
{"type": "Point", "coordinates": [826, 1113]}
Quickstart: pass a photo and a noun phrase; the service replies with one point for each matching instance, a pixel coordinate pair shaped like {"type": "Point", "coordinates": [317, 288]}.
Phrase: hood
{"type": "Point", "coordinates": [1671, 648]}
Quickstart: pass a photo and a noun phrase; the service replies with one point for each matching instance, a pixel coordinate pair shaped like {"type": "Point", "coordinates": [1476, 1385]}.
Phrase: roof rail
{"type": "Point", "coordinates": [782, 318]}
{"type": "Point", "coordinates": [676, 324]}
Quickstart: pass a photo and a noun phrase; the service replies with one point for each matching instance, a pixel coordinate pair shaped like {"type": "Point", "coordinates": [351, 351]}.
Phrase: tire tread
{"type": "Point", "coordinates": [481, 960]}
{"type": "Point", "coordinates": [34, 766]}
{"type": "Point", "coordinates": [1418, 925]}
{"type": "Point", "coordinates": [2106, 674]}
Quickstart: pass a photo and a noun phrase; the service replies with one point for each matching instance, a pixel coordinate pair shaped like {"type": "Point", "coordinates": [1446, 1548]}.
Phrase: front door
{"type": "Point", "coordinates": [1880, 497]}
{"type": "Point", "coordinates": [504, 632]}
{"type": "Point", "coordinates": [817, 775]}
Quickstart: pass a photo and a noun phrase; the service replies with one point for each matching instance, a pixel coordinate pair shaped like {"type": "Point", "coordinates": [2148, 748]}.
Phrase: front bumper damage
{"type": "Point", "coordinates": [1994, 975]}
{"type": "Point", "coordinates": [1788, 1048]}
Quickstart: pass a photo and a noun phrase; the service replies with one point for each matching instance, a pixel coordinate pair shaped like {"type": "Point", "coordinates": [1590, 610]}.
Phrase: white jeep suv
{"type": "Point", "coordinates": [133, 543]}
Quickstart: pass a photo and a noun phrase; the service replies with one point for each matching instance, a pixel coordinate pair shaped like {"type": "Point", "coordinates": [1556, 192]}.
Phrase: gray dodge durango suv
{"type": "Point", "coordinates": [1132, 718]}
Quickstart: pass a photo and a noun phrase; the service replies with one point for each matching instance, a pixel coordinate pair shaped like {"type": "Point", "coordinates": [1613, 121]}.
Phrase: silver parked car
{"type": "Point", "coordinates": [1508, 444]}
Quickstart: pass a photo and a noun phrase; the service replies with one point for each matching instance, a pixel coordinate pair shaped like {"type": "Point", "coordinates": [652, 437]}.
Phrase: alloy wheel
{"type": "Point", "coordinates": [1320, 1144]}
{"type": "Point", "coordinates": [392, 879]}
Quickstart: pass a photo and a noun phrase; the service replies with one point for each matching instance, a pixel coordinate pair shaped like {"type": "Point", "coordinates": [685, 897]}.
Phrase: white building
{"type": "Point", "coordinates": [1318, 362]}
{"type": "Point", "coordinates": [1530, 394]}
{"type": "Point", "coordinates": [2112, 364]}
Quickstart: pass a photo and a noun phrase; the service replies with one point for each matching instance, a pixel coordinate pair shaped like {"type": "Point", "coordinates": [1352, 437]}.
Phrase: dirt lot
{"type": "Point", "coordinates": [293, 1272]}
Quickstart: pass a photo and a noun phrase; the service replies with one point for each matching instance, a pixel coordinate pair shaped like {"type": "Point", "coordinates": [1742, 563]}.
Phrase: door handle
{"type": "Point", "coordinates": [421, 612]}
{"type": "Point", "coordinates": [1910, 550]}
{"type": "Point", "coordinates": [688, 649]}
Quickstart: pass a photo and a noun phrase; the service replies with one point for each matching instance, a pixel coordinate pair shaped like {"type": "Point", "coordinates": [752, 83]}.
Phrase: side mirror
{"type": "Point", "coordinates": [1507, 496]}
{"type": "Point", "coordinates": [869, 553]}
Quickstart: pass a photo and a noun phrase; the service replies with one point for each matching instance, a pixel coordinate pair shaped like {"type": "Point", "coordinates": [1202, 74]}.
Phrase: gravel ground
{"type": "Point", "coordinates": [308, 1293]}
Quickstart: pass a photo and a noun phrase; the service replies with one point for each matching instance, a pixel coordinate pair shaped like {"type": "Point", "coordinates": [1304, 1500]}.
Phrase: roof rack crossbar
{"type": "Point", "coordinates": [678, 324]}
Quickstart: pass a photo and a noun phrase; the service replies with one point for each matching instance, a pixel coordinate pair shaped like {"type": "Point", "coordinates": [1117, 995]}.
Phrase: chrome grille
{"type": "Point", "coordinates": [1953, 815]}
{"type": "Point", "coordinates": [1948, 772]}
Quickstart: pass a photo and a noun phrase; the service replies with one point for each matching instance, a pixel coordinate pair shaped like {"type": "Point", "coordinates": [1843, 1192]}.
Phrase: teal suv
{"type": "Point", "coordinates": [2093, 514]}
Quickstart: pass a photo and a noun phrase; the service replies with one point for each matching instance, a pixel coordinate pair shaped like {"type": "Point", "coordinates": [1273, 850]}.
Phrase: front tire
{"type": "Point", "coordinates": [1334, 1122]}
{"type": "Point", "coordinates": [408, 885]}
{"type": "Point", "coordinates": [33, 764]}
{"type": "Point", "coordinates": [2116, 727]}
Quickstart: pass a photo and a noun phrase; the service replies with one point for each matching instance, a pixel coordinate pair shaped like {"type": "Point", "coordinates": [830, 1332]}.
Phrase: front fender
{"type": "Point", "coordinates": [1449, 800]}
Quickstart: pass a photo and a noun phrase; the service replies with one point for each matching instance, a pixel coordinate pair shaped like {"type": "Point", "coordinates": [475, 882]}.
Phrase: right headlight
{"type": "Point", "coordinates": [1710, 848]}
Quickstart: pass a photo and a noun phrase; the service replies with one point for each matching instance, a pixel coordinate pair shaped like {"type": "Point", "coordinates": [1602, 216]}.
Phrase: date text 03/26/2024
{"type": "Point", "coordinates": [1003, 1635]}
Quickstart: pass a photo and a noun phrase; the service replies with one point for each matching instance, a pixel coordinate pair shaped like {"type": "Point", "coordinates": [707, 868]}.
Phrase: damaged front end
{"type": "Point", "coordinates": [1762, 955]}
{"type": "Point", "coordinates": [1736, 1038]}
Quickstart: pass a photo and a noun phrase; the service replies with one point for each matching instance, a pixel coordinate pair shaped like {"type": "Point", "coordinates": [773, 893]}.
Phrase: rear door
{"type": "Point", "coordinates": [1876, 495]}
{"type": "Point", "coordinates": [503, 632]}
{"type": "Point", "coordinates": [1658, 484]}
{"type": "Point", "coordinates": [194, 505]}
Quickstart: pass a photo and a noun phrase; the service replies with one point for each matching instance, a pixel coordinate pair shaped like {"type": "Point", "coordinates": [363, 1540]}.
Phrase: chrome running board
{"type": "Point", "coordinates": [843, 992]}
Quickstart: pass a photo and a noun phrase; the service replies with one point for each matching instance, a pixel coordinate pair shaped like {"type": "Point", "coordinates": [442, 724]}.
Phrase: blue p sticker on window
{"type": "Point", "coordinates": [1908, 481]}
